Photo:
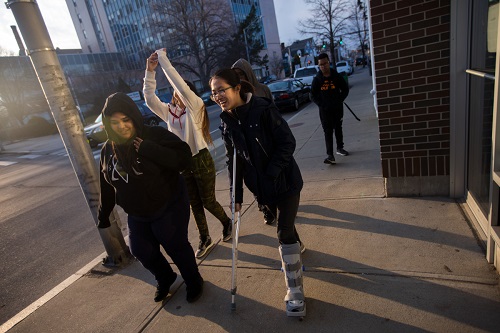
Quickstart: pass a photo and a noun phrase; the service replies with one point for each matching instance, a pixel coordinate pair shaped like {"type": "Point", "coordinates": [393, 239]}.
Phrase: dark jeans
{"type": "Point", "coordinates": [168, 228]}
{"type": "Point", "coordinates": [331, 120]}
{"type": "Point", "coordinates": [287, 234]}
{"type": "Point", "coordinates": [200, 181]}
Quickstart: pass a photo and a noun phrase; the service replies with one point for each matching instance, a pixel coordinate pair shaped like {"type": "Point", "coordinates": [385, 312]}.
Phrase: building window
{"type": "Point", "coordinates": [85, 34]}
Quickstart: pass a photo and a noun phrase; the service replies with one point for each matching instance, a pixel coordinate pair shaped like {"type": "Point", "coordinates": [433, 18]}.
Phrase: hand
{"type": "Point", "coordinates": [137, 143]}
{"type": "Point", "coordinates": [152, 62]}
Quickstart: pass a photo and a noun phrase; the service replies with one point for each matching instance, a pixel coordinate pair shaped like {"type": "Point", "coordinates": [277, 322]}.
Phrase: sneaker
{"type": "Point", "coordinates": [193, 294]}
{"type": "Point", "coordinates": [269, 218]}
{"type": "Point", "coordinates": [329, 160]}
{"type": "Point", "coordinates": [163, 288]}
{"type": "Point", "coordinates": [342, 151]}
{"type": "Point", "coordinates": [205, 245]}
{"type": "Point", "coordinates": [226, 231]}
{"type": "Point", "coordinates": [302, 248]}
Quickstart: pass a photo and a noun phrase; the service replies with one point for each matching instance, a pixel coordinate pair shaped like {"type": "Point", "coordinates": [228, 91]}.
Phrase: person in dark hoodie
{"type": "Point", "coordinates": [244, 70]}
{"type": "Point", "coordinates": [265, 145]}
{"type": "Point", "coordinates": [329, 90]}
{"type": "Point", "coordinates": [140, 171]}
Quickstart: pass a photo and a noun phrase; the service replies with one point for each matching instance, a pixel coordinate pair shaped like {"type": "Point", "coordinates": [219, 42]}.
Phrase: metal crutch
{"type": "Point", "coordinates": [235, 232]}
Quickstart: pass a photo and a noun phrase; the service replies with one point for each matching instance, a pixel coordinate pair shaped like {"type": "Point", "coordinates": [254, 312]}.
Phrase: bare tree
{"type": "Point", "coordinates": [328, 21]}
{"type": "Point", "coordinates": [357, 25]}
{"type": "Point", "coordinates": [94, 88]}
{"type": "Point", "coordinates": [198, 32]}
{"type": "Point", "coordinates": [276, 65]}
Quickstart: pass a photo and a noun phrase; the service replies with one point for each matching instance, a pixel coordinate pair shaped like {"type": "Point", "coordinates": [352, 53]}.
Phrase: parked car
{"type": "Point", "coordinates": [306, 74]}
{"type": "Point", "coordinates": [268, 79]}
{"type": "Point", "coordinates": [150, 118]}
{"type": "Point", "coordinates": [290, 93]}
{"type": "Point", "coordinates": [360, 61]}
{"type": "Point", "coordinates": [206, 98]}
{"type": "Point", "coordinates": [343, 66]}
{"type": "Point", "coordinates": [95, 132]}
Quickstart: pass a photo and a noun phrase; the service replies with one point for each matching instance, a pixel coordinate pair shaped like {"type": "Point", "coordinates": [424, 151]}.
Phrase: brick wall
{"type": "Point", "coordinates": [411, 45]}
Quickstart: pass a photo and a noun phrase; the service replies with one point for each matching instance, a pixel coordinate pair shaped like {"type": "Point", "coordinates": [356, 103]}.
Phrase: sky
{"type": "Point", "coordinates": [62, 32]}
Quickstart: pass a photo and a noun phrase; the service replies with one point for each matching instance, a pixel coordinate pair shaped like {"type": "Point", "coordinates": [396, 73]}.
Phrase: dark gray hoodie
{"type": "Point", "coordinates": [261, 90]}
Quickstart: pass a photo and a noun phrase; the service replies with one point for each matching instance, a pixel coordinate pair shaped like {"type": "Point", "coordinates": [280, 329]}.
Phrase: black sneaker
{"type": "Point", "coordinates": [342, 151]}
{"type": "Point", "coordinates": [194, 293]}
{"type": "Point", "coordinates": [226, 231]}
{"type": "Point", "coordinates": [329, 160]}
{"type": "Point", "coordinates": [163, 288]}
{"type": "Point", "coordinates": [269, 218]}
{"type": "Point", "coordinates": [203, 247]}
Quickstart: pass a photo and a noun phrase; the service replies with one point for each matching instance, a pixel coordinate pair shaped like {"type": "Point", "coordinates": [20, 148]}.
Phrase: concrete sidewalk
{"type": "Point", "coordinates": [373, 264]}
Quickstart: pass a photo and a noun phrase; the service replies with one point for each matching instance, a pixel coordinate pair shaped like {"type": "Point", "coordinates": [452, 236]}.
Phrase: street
{"type": "Point", "coordinates": [47, 231]}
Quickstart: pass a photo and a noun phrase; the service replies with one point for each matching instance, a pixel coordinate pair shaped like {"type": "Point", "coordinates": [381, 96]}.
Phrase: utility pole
{"type": "Point", "coordinates": [55, 88]}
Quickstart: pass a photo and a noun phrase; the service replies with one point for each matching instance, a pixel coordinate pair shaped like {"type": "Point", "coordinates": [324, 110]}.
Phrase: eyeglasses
{"type": "Point", "coordinates": [220, 92]}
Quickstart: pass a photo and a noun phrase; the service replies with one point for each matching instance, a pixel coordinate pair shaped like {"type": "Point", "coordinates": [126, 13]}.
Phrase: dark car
{"type": "Point", "coordinates": [149, 117]}
{"type": "Point", "coordinates": [268, 79]}
{"type": "Point", "coordinates": [360, 61]}
{"type": "Point", "coordinates": [96, 134]}
{"type": "Point", "coordinates": [289, 93]}
{"type": "Point", "coordinates": [206, 98]}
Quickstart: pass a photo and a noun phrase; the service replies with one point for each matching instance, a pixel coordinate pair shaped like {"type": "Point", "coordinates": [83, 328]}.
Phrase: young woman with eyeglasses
{"type": "Point", "coordinates": [186, 116]}
{"type": "Point", "coordinates": [265, 145]}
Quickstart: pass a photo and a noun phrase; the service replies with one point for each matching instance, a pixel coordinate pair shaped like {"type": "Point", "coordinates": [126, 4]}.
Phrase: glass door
{"type": "Point", "coordinates": [481, 97]}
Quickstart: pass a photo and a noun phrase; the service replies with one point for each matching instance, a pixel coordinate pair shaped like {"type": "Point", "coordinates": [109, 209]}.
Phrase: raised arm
{"type": "Point", "coordinates": [149, 88]}
{"type": "Point", "coordinates": [189, 98]}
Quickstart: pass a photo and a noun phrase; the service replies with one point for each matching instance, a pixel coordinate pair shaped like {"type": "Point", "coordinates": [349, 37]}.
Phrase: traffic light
{"type": "Point", "coordinates": [340, 41]}
{"type": "Point", "coordinates": [324, 45]}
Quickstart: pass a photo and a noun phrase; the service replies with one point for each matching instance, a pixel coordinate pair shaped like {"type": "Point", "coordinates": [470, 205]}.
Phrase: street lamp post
{"type": "Point", "coordinates": [245, 36]}
{"type": "Point", "coordinates": [246, 43]}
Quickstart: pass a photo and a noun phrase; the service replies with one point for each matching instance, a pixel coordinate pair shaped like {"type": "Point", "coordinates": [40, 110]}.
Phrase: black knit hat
{"type": "Point", "coordinates": [120, 102]}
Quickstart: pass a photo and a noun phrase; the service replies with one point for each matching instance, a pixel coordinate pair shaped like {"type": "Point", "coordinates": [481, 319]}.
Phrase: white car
{"type": "Point", "coordinates": [343, 66]}
{"type": "Point", "coordinates": [306, 74]}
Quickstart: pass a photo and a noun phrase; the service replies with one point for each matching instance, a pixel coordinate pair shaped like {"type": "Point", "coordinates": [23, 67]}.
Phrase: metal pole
{"type": "Point", "coordinates": [246, 44]}
{"type": "Point", "coordinates": [290, 61]}
{"type": "Point", "coordinates": [372, 60]}
{"type": "Point", "coordinates": [56, 91]}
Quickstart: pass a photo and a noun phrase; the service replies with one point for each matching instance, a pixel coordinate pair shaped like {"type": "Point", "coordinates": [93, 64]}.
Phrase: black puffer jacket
{"type": "Point", "coordinates": [265, 146]}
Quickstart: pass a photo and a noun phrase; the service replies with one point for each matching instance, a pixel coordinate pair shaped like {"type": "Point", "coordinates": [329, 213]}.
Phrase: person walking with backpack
{"type": "Point", "coordinates": [187, 117]}
{"type": "Point", "coordinates": [329, 90]}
